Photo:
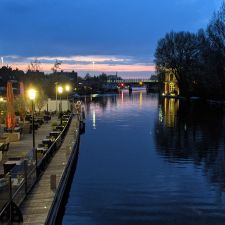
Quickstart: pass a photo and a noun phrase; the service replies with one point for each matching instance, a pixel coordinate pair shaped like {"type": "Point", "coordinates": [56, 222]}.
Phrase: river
{"type": "Point", "coordinates": [145, 160]}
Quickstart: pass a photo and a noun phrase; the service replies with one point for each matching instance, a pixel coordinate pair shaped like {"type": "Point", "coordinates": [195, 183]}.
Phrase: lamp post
{"type": "Point", "coordinates": [60, 91]}
{"type": "Point", "coordinates": [32, 96]}
{"type": "Point", "coordinates": [68, 88]}
{"type": "Point", "coordinates": [56, 96]}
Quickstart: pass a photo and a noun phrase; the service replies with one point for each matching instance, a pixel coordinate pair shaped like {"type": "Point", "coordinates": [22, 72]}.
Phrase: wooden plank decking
{"type": "Point", "coordinates": [36, 206]}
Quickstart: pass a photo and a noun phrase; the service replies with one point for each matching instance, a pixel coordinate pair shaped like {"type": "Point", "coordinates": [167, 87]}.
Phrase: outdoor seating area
{"type": "Point", "coordinates": [39, 120]}
{"type": "Point", "coordinates": [15, 134]}
{"type": "Point", "coordinates": [16, 141]}
{"type": "Point", "coordinates": [27, 139]}
{"type": "Point", "coordinates": [20, 159]}
{"type": "Point", "coordinates": [50, 139]}
{"type": "Point", "coordinates": [19, 162]}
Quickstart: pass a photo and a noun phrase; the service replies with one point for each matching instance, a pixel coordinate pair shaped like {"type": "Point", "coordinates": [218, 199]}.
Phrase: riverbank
{"type": "Point", "coordinates": [196, 98]}
{"type": "Point", "coordinates": [41, 204]}
{"type": "Point", "coordinates": [29, 168]}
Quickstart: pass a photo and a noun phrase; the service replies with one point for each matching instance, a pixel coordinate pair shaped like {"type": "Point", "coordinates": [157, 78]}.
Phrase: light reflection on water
{"type": "Point", "coordinates": [148, 161]}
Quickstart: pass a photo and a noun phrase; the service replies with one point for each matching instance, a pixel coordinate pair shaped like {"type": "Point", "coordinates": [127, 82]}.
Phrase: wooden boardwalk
{"type": "Point", "coordinates": [36, 206]}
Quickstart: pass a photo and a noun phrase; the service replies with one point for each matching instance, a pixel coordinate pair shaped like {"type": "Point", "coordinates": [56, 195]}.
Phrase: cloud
{"type": "Point", "coordinates": [111, 60]}
{"type": "Point", "coordinates": [106, 64]}
{"type": "Point", "coordinates": [110, 32]}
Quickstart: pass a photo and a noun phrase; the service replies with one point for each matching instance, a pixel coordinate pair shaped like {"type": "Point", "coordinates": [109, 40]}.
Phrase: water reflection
{"type": "Point", "coordinates": [149, 161]}
{"type": "Point", "coordinates": [192, 132]}
{"type": "Point", "coordinates": [94, 120]}
{"type": "Point", "coordinates": [141, 99]}
{"type": "Point", "coordinates": [170, 108]}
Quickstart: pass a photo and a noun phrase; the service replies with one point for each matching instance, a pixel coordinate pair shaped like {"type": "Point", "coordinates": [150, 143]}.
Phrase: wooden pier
{"type": "Point", "coordinates": [42, 203]}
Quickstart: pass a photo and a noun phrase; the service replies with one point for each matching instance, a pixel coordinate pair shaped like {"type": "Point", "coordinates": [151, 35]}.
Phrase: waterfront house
{"type": "Point", "coordinates": [171, 87]}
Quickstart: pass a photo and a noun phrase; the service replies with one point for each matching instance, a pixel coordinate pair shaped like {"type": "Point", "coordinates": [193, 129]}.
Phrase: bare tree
{"type": "Point", "coordinates": [56, 66]}
{"type": "Point", "coordinates": [41, 100]}
{"type": "Point", "coordinates": [20, 106]}
{"type": "Point", "coordinates": [34, 66]}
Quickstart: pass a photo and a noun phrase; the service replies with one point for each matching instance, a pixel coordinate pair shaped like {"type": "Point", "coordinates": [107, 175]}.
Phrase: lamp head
{"type": "Point", "coordinates": [32, 94]}
{"type": "Point", "coordinates": [67, 88]}
{"type": "Point", "coordinates": [60, 89]}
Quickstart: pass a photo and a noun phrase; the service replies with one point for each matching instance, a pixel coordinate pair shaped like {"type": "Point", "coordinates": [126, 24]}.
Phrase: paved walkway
{"type": "Point", "coordinates": [22, 147]}
{"type": "Point", "coordinates": [37, 204]}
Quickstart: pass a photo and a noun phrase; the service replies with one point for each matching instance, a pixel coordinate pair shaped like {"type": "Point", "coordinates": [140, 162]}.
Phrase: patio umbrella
{"type": "Point", "coordinates": [22, 103]}
{"type": "Point", "coordinates": [10, 116]}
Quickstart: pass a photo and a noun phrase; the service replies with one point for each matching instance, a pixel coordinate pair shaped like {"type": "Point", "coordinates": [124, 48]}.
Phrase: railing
{"type": "Point", "coordinates": [52, 149]}
{"type": "Point", "coordinates": [53, 214]}
{"type": "Point", "coordinates": [21, 179]}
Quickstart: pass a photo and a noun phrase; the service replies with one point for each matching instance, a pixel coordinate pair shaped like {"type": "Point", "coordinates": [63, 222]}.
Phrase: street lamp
{"type": "Point", "coordinates": [56, 90]}
{"type": "Point", "coordinates": [68, 88]}
{"type": "Point", "coordinates": [60, 91]}
{"type": "Point", "coordinates": [32, 96]}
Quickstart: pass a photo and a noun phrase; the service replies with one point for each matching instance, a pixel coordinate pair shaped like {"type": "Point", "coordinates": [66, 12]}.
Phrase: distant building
{"type": "Point", "coordinates": [154, 77]}
{"type": "Point", "coordinates": [35, 73]}
{"type": "Point", "coordinates": [109, 86]}
{"type": "Point", "coordinates": [113, 77]}
{"type": "Point", "coordinates": [71, 75]}
{"type": "Point", "coordinates": [170, 84]}
{"type": "Point", "coordinates": [16, 88]}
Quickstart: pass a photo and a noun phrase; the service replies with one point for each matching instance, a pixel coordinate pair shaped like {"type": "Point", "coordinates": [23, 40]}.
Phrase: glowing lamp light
{"type": "Point", "coordinates": [122, 85]}
{"type": "Point", "coordinates": [32, 94]}
{"type": "Point", "coordinates": [60, 89]}
{"type": "Point", "coordinates": [67, 88]}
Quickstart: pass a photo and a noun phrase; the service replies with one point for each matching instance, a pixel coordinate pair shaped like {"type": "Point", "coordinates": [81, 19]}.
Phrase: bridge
{"type": "Point", "coordinates": [151, 85]}
{"type": "Point", "coordinates": [133, 81]}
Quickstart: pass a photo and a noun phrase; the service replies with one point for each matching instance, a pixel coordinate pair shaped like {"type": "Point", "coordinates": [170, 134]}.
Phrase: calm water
{"type": "Point", "coordinates": [147, 161]}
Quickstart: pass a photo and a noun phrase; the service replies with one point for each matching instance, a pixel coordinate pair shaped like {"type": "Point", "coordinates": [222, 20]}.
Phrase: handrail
{"type": "Point", "coordinates": [54, 143]}
{"type": "Point", "coordinates": [52, 214]}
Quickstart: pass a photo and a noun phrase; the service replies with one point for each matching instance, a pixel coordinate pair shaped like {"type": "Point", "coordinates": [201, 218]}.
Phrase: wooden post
{"type": "Point", "coordinates": [53, 182]}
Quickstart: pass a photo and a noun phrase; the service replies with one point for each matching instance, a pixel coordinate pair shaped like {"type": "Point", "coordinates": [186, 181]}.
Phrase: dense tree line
{"type": "Point", "coordinates": [40, 80]}
{"type": "Point", "coordinates": [46, 83]}
{"type": "Point", "coordinates": [197, 59]}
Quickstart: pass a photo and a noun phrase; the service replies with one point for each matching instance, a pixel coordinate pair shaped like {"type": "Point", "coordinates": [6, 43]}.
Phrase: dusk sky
{"type": "Point", "coordinates": [118, 35]}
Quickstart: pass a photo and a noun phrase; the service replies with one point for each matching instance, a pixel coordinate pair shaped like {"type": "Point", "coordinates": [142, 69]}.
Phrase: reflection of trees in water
{"type": "Point", "coordinates": [113, 100]}
{"type": "Point", "coordinates": [101, 102]}
{"type": "Point", "coordinates": [87, 102]}
{"type": "Point", "coordinates": [192, 131]}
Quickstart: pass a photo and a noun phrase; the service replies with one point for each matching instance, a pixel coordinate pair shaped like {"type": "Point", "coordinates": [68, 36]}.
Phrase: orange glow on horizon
{"type": "Point", "coordinates": [89, 67]}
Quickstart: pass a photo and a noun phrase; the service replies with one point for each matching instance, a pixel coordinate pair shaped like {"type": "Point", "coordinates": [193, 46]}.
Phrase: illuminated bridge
{"type": "Point", "coordinates": [133, 81]}
{"type": "Point", "coordinates": [151, 85]}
